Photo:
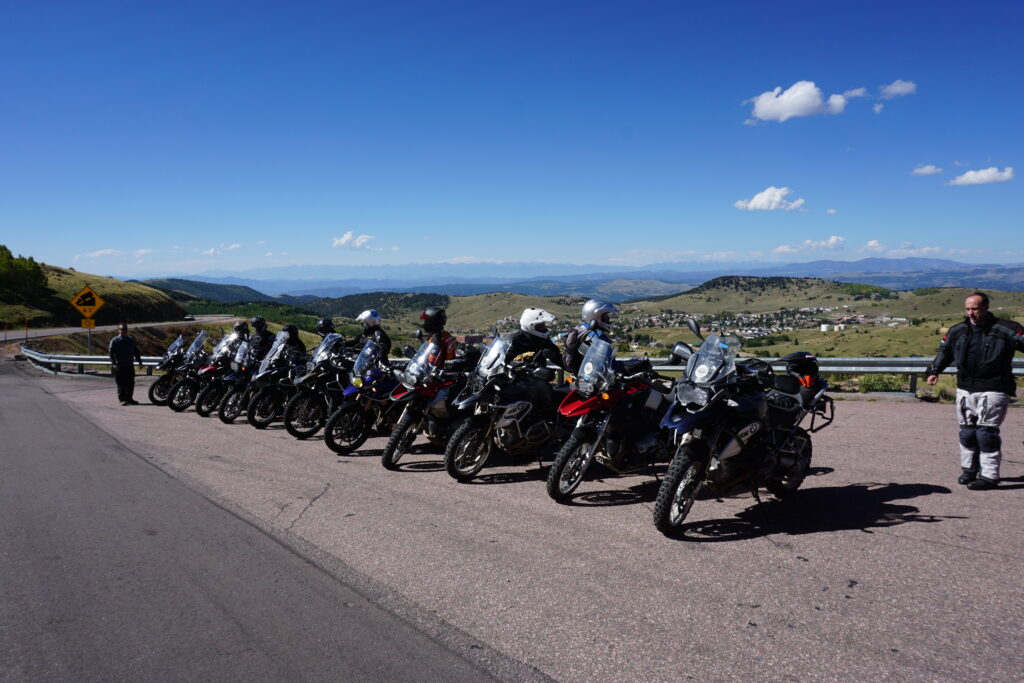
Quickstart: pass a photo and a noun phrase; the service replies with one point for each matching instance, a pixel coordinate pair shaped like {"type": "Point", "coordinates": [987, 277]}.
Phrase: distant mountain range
{"type": "Point", "coordinates": [616, 283]}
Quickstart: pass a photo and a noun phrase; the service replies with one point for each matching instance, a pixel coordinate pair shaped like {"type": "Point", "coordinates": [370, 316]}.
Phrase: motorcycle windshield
{"type": "Point", "coordinates": [492, 361]}
{"type": "Point", "coordinates": [715, 359]}
{"type": "Point", "coordinates": [367, 358]}
{"type": "Point", "coordinates": [175, 346]}
{"type": "Point", "coordinates": [275, 350]}
{"type": "Point", "coordinates": [596, 373]}
{"type": "Point", "coordinates": [241, 353]}
{"type": "Point", "coordinates": [225, 346]}
{"type": "Point", "coordinates": [323, 350]}
{"type": "Point", "coordinates": [197, 344]}
{"type": "Point", "coordinates": [418, 369]}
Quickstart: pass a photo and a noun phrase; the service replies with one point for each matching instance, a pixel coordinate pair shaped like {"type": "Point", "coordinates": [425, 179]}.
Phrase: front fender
{"type": "Point", "coordinates": [679, 420]}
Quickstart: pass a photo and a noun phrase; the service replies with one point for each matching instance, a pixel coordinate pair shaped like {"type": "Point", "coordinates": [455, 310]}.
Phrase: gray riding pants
{"type": "Point", "coordinates": [980, 414]}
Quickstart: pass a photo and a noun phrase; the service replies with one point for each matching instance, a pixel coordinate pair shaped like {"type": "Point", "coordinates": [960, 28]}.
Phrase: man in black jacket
{"type": "Point", "coordinates": [123, 350]}
{"type": "Point", "coordinates": [982, 348]}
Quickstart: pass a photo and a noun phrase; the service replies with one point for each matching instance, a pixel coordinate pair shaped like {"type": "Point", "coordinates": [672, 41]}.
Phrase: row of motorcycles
{"type": "Point", "coordinates": [725, 424]}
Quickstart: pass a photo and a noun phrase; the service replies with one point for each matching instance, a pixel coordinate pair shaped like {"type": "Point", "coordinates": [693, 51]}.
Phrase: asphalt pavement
{"type": "Point", "coordinates": [880, 567]}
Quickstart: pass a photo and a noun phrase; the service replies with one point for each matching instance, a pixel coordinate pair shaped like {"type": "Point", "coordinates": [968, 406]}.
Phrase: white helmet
{"type": "Point", "coordinates": [600, 312]}
{"type": "Point", "coordinates": [535, 321]}
{"type": "Point", "coordinates": [369, 318]}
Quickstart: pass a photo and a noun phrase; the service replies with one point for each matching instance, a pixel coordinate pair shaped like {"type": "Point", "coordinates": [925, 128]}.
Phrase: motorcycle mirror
{"type": "Point", "coordinates": [408, 351]}
{"type": "Point", "coordinates": [419, 334]}
{"type": "Point", "coordinates": [494, 331]}
{"type": "Point", "coordinates": [694, 327]}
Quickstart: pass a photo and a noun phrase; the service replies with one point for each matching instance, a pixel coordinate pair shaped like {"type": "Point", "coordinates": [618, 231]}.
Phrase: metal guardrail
{"type": "Point", "coordinates": [901, 365]}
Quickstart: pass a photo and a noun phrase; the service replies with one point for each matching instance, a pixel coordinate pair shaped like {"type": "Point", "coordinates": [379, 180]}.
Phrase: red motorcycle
{"type": "Point", "coordinates": [618, 409]}
{"type": "Point", "coordinates": [428, 393]}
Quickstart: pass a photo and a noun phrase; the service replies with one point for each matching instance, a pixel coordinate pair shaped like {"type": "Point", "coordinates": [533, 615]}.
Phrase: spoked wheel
{"type": "Point", "coordinates": [799, 448]}
{"type": "Point", "coordinates": [401, 439]}
{"type": "Point", "coordinates": [161, 389]}
{"type": "Point", "coordinates": [304, 414]}
{"type": "Point", "coordinates": [468, 450]}
{"type": "Point", "coordinates": [209, 398]}
{"type": "Point", "coordinates": [571, 463]}
{"type": "Point", "coordinates": [231, 406]}
{"type": "Point", "coordinates": [679, 488]}
{"type": "Point", "coordinates": [263, 408]}
{"type": "Point", "coordinates": [347, 429]}
{"type": "Point", "coordinates": [182, 395]}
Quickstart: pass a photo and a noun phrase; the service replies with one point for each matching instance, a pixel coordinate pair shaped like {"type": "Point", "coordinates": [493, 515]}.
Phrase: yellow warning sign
{"type": "Point", "coordinates": [88, 324]}
{"type": "Point", "coordinates": [87, 302]}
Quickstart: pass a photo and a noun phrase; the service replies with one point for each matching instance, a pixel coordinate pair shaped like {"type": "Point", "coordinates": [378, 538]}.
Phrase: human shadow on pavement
{"type": "Point", "coordinates": [1010, 483]}
{"type": "Point", "coordinates": [862, 507]}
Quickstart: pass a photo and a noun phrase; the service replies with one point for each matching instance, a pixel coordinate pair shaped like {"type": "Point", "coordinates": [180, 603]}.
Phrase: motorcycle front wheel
{"type": "Point", "coordinates": [679, 488]}
{"type": "Point", "coordinates": [161, 389]}
{"type": "Point", "coordinates": [468, 450]}
{"type": "Point", "coordinates": [182, 395]}
{"type": "Point", "coordinates": [209, 398]}
{"type": "Point", "coordinates": [571, 463]}
{"type": "Point", "coordinates": [263, 408]}
{"type": "Point", "coordinates": [401, 439]}
{"type": "Point", "coordinates": [347, 429]}
{"type": "Point", "coordinates": [800, 450]}
{"type": "Point", "coordinates": [304, 414]}
{"type": "Point", "coordinates": [231, 406]}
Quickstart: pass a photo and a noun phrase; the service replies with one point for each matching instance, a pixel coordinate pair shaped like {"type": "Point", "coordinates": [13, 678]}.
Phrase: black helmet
{"type": "Point", "coordinates": [242, 327]}
{"type": "Point", "coordinates": [291, 330]}
{"type": "Point", "coordinates": [801, 364]}
{"type": "Point", "coordinates": [433, 319]}
{"type": "Point", "coordinates": [258, 323]}
{"type": "Point", "coordinates": [324, 327]}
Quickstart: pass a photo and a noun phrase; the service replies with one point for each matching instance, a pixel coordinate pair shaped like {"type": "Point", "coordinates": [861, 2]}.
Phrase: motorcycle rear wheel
{"type": "Point", "coordinates": [263, 408]}
{"type": "Point", "coordinates": [304, 414]}
{"type": "Point", "coordinates": [401, 439]}
{"type": "Point", "coordinates": [347, 429]}
{"type": "Point", "coordinates": [571, 463]}
{"type": "Point", "coordinates": [231, 406]}
{"type": "Point", "coordinates": [209, 398]}
{"type": "Point", "coordinates": [161, 389]}
{"type": "Point", "coordinates": [182, 395]}
{"type": "Point", "coordinates": [468, 450]}
{"type": "Point", "coordinates": [679, 488]}
{"type": "Point", "coordinates": [787, 486]}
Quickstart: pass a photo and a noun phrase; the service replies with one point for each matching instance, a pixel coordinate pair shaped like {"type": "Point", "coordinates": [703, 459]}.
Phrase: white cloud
{"type": "Point", "coordinates": [983, 176]}
{"type": "Point", "coordinates": [209, 252]}
{"type": "Point", "coordinates": [831, 212]}
{"type": "Point", "coordinates": [927, 169]}
{"type": "Point", "coordinates": [914, 251]}
{"type": "Point", "coordinates": [97, 254]}
{"type": "Point", "coordinates": [856, 92]}
{"type": "Point", "coordinates": [143, 252]}
{"type": "Point", "coordinates": [803, 98]}
{"type": "Point", "coordinates": [236, 245]}
{"type": "Point", "coordinates": [353, 241]}
{"type": "Point", "coordinates": [874, 246]}
{"type": "Point", "coordinates": [832, 243]}
{"type": "Point", "coordinates": [269, 254]}
{"type": "Point", "coordinates": [395, 248]}
{"type": "Point", "coordinates": [897, 88]}
{"type": "Point", "coordinates": [468, 259]}
{"type": "Point", "coordinates": [771, 199]}
{"type": "Point", "coordinates": [878, 107]}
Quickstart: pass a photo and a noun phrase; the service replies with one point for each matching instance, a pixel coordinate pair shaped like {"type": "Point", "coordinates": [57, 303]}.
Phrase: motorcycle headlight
{"type": "Point", "coordinates": [357, 382]}
{"type": "Point", "coordinates": [688, 394]}
{"type": "Point", "coordinates": [585, 386]}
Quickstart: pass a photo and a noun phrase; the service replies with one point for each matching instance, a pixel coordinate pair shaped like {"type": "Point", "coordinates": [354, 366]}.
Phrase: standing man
{"type": "Point", "coordinates": [123, 350]}
{"type": "Point", "coordinates": [982, 348]}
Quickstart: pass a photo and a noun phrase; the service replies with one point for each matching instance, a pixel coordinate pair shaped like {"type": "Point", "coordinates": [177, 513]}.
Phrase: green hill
{"type": "Point", "coordinates": [49, 305]}
{"type": "Point", "coordinates": [188, 290]}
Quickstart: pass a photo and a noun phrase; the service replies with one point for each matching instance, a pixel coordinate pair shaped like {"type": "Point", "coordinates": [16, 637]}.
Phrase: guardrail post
{"type": "Point", "coordinates": [81, 369]}
{"type": "Point", "coordinates": [913, 383]}
{"type": "Point", "coordinates": [149, 371]}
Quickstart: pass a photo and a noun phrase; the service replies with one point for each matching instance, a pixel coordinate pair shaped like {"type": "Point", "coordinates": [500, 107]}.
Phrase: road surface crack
{"type": "Point", "coordinates": [309, 505]}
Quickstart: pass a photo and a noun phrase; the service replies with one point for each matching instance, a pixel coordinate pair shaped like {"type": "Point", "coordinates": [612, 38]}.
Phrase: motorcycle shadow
{"type": "Point", "coordinates": [535, 474]}
{"type": "Point", "coordinates": [860, 507]}
{"type": "Point", "coordinates": [646, 491]}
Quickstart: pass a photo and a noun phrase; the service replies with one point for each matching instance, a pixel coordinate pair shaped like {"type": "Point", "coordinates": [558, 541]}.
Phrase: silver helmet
{"type": "Point", "coordinates": [599, 312]}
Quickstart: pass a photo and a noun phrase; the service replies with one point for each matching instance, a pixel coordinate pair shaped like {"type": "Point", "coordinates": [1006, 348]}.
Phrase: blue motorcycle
{"type": "Point", "coordinates": [366, 405]}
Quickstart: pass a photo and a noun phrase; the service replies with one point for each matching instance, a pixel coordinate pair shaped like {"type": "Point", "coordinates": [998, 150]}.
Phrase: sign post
{"type": "Point", "coordinates": [87, 302]}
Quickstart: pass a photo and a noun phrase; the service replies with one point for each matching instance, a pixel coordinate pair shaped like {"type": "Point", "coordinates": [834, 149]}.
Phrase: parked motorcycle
{"type": "Point", "coordinates": [319, 389]}
{"type": "Point", "coordinates": [426, 393]}
{"type": "Point", "coordinates": [173, 357]}
{"type": "Point", "coordinates": [187, 386]}
{"type": "Point", "coordinates": [274, 383]}
{"type": "Point", "coordinates": [238, 392]}
{"type": "Point", "coordinates": [513, 408]}
{"type": "Point", "coordinates": [211, 376]}
{"type": "Point", "coordinates": [618, 409]}
{"type": "Point", "coordinates": [367, 405]}
{"type": "Point", "coordinates": [736, 424]}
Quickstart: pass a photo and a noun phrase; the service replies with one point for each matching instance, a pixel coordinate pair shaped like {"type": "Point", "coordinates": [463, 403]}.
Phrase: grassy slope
{"type": "Point", "coordinates": [124, 301]}
{"type": "Point", "coordinates": [206, 290]}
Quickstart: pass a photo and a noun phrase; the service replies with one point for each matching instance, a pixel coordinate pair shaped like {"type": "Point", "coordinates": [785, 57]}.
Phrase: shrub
{"type": "Point", "coordinates": [880, 383]}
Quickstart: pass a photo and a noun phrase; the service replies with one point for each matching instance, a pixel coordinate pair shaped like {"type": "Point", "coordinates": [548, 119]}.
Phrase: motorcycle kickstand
{"type": "Point", "coordinates": [755, 494]}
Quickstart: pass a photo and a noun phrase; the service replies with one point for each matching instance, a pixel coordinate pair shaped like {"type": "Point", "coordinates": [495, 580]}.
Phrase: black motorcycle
{"type": "Point", "coordinates": [173, 357]}
{"type": "Point", "coordinates": [513, 408]}
{"type": "Point", "coordinates": [367, 405]}
{"type": "Point", "coordinates": [274, 382]}
{"type": "Point", "coordinates": [736, 424]}
{"type": "Point", "coordinates": [212, 375]}
{"type": "Point", "coordinates": [319, 389]}
{"type": "Point", "coordinates": [238, 392]}
{"type": "Point", "coordinates": [187, 384]}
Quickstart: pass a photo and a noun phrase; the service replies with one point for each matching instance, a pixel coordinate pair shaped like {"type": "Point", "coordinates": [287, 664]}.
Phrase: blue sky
{"type": "Point", "coordinates": [163, 138]}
